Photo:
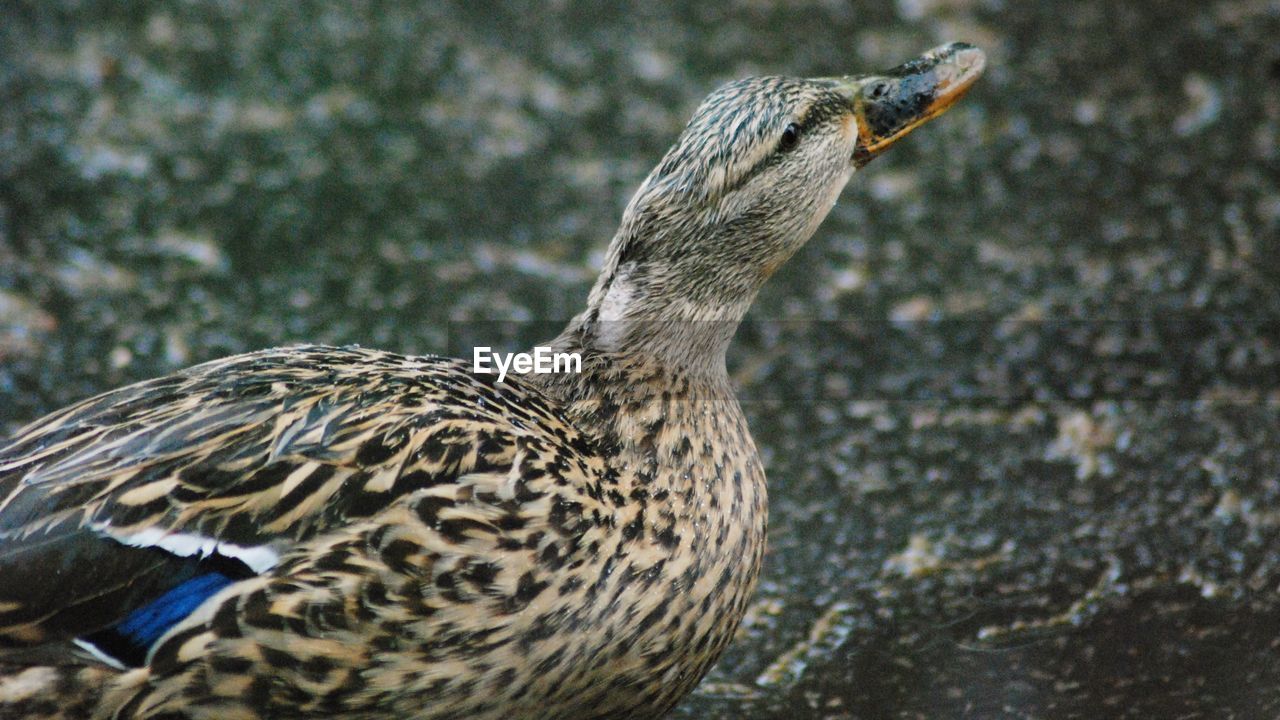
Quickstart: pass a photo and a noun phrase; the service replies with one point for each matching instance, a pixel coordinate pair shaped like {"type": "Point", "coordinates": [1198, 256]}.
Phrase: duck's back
{"type": "Point", "coordinates": [357, 529]}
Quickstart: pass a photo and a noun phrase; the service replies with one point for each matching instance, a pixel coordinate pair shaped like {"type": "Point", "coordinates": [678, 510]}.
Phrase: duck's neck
{"type": "Point", "coordinates": [653, 376]}
{"type": "Point", "coordinates": [652, 341]}
{"type": "Point", "coordinates": [677, 310]}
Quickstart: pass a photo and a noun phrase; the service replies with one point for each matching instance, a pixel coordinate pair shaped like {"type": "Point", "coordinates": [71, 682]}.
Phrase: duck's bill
{"type": "Point", "coordinates": [891, 104]}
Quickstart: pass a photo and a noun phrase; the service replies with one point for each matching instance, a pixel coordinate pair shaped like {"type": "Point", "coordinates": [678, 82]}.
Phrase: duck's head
{"type": "Point", "coordinates": [746, 184]}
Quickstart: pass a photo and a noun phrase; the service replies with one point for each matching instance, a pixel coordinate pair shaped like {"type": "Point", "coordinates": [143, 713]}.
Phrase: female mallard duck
{"type": "Point", "coordinates": [341, 532]}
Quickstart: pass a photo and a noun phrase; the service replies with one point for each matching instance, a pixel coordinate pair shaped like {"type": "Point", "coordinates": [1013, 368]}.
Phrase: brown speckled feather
{"type": "Point", "coordinates": [500, 538]}
{"type": "Point", "coordinates": [267, 449]}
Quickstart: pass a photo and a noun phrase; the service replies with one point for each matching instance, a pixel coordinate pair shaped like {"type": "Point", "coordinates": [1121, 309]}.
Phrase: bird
{"type": "Point", "coordinates": [343, 532]}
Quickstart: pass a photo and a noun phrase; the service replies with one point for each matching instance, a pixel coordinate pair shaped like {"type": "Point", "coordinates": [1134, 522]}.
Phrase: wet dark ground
{"type": "Point", "coordinates": [1019, 398]}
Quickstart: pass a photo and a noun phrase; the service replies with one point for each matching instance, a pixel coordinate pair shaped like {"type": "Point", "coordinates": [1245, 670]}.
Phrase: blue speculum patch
{"type": "Point", "coordinates": [130, 639]}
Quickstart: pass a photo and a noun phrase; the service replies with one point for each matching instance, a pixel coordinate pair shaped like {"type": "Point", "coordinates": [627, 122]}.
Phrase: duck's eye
{"type": "Point", "coordinates": [790, 138]}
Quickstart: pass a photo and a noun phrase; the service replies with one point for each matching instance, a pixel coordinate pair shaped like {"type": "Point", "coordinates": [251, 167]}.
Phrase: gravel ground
{"type": "Point", "coordinates": [1019, 398]}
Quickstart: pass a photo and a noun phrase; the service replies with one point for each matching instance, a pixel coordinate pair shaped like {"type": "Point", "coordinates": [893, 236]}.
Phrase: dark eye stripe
{"type": "Point", "coordinates": [816, 114]}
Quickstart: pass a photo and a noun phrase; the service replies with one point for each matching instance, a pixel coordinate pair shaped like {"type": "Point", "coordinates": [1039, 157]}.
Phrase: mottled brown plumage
{"type": "Point", "coordinates": [361, 534]}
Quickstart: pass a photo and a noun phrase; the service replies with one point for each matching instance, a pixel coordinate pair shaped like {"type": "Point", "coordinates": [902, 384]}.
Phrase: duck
{"type": "Point", "coordinates": [350, 533]}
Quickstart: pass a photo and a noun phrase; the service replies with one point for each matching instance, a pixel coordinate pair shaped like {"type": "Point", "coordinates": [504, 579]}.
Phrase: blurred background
{"type": "Point", "coordinates": [1019, 398]}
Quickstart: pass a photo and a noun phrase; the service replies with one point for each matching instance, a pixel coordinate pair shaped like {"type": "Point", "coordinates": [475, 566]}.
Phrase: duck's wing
{"type": "Point", "coordinates": [122, 513]}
